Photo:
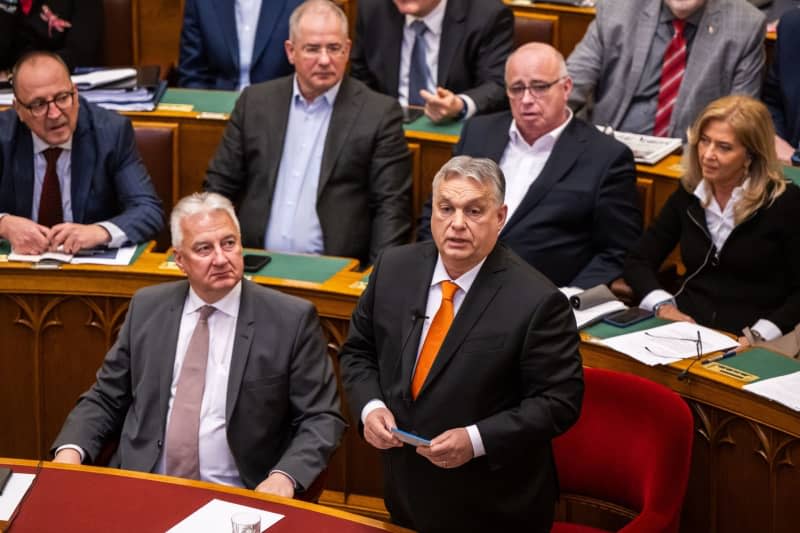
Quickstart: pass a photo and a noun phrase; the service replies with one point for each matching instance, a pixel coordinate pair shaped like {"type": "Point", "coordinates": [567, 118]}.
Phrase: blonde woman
{"type": "Point", "coordinates": [734, 218]}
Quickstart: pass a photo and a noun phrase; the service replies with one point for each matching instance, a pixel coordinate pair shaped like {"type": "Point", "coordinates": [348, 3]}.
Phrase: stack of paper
{"type": "Point", "coordinates": [100, 256]}
{"type": "Point", "coordinates": [783, 389]}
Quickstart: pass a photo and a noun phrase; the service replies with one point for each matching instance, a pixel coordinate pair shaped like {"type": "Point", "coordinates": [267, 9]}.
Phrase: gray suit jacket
{"type": "Point", "coordinates": [282, 408]}
{"type": "Point", "coordinates": [364, 194]}
{"type": "Point", "coordinates": [726, 57]}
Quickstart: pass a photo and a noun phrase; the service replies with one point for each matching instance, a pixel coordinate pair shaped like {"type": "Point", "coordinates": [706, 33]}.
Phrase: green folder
{"type": "Point", "coordinates": [203, 101]}
{"type": "Point", "coordinates": [601, 330]}
{"type": "Point", "coordinates": [424, 125]}
{"type": "Point", "coordinates": [762, 363]}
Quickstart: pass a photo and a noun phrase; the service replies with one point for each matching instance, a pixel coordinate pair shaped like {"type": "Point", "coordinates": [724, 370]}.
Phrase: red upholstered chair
{"type": "Point", "coordinates": [630, 449]}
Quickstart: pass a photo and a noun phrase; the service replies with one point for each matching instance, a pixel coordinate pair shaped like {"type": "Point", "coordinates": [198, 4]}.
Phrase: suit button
{"type": "Point", "coordinates": [160, 444]}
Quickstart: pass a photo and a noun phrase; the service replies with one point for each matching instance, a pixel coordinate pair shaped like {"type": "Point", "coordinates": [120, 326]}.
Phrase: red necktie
{"type": "Point", "coordinates": [671, 76]}
{"type": "Point", "coordinates": [435, 337]}
{"type": "Point", "coordinates": [26, 5]}
{"type": "Point", "coordinates": [50, 211]}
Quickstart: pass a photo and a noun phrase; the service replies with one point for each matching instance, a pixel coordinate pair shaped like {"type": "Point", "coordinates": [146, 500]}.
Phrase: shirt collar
{"type": "Point", "coordinates": [464, 282]}
{"type": "Point", "coordinates": [328, 96]}
{"type": "Point", "coordinates": [228, 304]}
{"type": "Point", "coordinates": [433, 20]}
{"type": "Point", "coordinates": [546, 141]}
{"type": "Point", "coordinates": [39, 145]}
{"type": "Point", "coordinates": [704, 194]}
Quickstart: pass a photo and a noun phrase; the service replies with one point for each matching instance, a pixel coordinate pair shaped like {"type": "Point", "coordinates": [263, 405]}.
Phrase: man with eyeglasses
{"type": "Point", "coordinates": [316, 162]}
{"type": "Point", "coordinates": [570, 190]}
{"type": "Point", "coordinates": [70, 174]}
{"type": "Point", "coordinates": [651, 66]}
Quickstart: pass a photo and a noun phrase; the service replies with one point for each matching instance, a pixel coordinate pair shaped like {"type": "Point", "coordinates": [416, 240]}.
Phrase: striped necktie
{"type": "Point", "coordinates": [671, 76]}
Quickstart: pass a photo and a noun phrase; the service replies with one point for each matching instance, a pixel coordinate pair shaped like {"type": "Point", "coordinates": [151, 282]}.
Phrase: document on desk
{"type": "Point", "coordinates": [671, 342]}
{"type": "Point", "coordinates": [216, 516]}
{"type": "Point", "coordinates": [13, 493]}
{"type": "Point", "coordinates": [95, 256]}
{"type": "Point", "coordinates": [783, 389]}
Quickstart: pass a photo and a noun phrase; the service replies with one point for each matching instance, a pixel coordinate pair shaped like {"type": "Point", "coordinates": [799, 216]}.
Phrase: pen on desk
{"type": "Point", "coordinates": [726, 355]}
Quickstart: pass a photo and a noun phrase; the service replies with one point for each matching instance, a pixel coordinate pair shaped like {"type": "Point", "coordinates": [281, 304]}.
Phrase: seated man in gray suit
{"type": "Point", "coordinates": [650, 66]}
{"type": "Point", "coordinates": [214, 378]}
{"type": "Point", "coordinates": [316, 162]}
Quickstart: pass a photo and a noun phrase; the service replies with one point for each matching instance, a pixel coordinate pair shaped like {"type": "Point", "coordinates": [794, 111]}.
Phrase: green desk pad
{"type": "Point", "coordinates": [203, 101]}
{"type": "Point", "coordinates": [424, 125]}
{"type": "Point", "coordinates": [762, 363]}
{"type": "Point", "coordinates": [310, 268]}
{"type": "Point", "coordinates": [601, 330]}
{"type": "Point", "coordinates": [5, 249]}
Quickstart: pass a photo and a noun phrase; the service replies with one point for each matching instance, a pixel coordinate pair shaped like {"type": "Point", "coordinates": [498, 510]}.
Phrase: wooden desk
{"type": "Point", "coordinates": [70, 499]}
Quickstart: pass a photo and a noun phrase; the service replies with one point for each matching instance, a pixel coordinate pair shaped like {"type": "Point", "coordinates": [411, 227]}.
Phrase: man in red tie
{"type": "Point", "coordinates": [650, 66]}
{"type": "Point", "coordinates": [461, 342]}
{"type": "Point", "coordinates": [70, 174]}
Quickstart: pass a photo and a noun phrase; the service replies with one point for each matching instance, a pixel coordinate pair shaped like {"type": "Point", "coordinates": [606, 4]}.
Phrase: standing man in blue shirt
{"type": "Point", "coordinates": [316, 162]}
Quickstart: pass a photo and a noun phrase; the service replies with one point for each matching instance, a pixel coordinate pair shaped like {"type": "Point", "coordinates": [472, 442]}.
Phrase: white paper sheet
{"type": "Point", "coordinates": [215, 516]}
{"type": "Point", "coordinates": [782, 389]}
{"type": "Point", "coordinates": [671, 342]}
{"type": "Point", "coordinates": [15, 490]}
{"type": "Point", "coordinates": [123, 257]}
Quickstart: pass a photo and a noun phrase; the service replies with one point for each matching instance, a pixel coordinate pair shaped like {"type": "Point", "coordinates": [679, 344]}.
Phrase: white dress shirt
{"type": "Point", "coordinates": [720, 223]}
{"type": "Point", "coordinates": [522, 162]}
{"type": "Point", "coordinates": [247, 14]}
{"type": "Point", "coordinates": [432, 37]}
{"type": "Point", "coordinates": [431, 307]}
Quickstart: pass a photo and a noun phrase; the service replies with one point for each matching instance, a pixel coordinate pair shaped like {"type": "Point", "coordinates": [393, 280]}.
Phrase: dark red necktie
{"type": "Point", "coordinates": [50, 210]}
{"type": "Point", "coordinates": [671, 76]}
{"type": "Point", "coordinates": [26, 5]}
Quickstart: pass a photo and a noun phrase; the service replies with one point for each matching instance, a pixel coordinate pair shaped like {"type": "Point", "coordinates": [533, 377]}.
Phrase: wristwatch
{"type": "Point", "coordinates": [796, 158]}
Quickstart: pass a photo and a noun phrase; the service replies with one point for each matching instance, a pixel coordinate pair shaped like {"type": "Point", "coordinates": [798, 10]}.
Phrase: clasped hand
{"type": "Point", "coordinates": [29, 238]}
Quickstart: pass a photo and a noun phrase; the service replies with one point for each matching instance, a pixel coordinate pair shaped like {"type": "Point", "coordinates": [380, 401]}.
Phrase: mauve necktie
{"type": "Point", "coordinates": [184, 421]}
{"type": "Point", "coordinates": [50, 210]}
{"type": "Point", "coordinates": [435, 337]}
{"type": "Point", "coordinates": [671, 76]}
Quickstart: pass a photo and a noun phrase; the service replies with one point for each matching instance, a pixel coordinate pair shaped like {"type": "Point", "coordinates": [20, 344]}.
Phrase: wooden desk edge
{"type": "Point", "coordinates": [211, 486]}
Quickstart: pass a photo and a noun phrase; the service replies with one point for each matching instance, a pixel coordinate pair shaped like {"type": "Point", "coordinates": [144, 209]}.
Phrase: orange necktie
{"type": "Point", "coordinates": [435, 338]}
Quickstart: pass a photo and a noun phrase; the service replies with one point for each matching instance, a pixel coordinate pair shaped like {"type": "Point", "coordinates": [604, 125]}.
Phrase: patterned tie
{"type": "Point", "coordinates": [435, 338]}
{"type": "Point", "coordinates": [418, 69]}
{"type": "Point", "coordinates": [26, 6]}
{"type": "Point", "coordinates": [671, 76]}
{"type": "Point", "coordinates": [50, 210]}
{"type": "Point", "coordinates": [184, 422]}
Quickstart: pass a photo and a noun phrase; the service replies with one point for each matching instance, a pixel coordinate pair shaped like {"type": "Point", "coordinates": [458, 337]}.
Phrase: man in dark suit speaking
{"type": "Point", "coordinates": [214, 378]}
{"type": "Point", "coordinates": [316, 162]}
{"type": "Point", "coordinates": [70, 174]}
{"type": "Point", "coordinates": [462, 342]}
{"type": "Point", "coordinates": [571, 191]}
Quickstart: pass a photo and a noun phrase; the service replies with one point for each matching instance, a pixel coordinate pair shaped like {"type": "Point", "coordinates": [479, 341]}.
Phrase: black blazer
{"type": "Point", "coordinates": [509, 364]}
{"type": "Point", "coordinates": [755, 275]}
{"type": "Point", "coordinates": [581, 215]}
{"type": "Point", "coordinates": [79, 45]}
{"type": "Point", "coordinates": [364, 195]}
{"type": "Point", "coordinates": [476, 40]}
{"type": "Point", "coordinates": [782, 85]}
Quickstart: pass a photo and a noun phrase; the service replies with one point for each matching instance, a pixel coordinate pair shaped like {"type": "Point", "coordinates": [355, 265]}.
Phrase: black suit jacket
{"type": "Point", "coordinates": [509, 364]}
{"type": "Point", "coordinates": [782, 86]}
{"type": "Point", "coordinates": [581, 215]}
{"type": "Point", "coordinates": [364, 195]}
{"type": "Point", "coordinates": [281, 408]}
{"type": "Point", "coordinates": [476, 40]}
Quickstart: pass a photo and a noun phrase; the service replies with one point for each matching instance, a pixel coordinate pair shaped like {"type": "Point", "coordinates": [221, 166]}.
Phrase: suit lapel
{"type": "Point", "coordinates": [495, 143]}
{"type": "Point", "coordinates": [267, 18]}
{"type": "Point", "coordinates": [275, 130]}
{"type": "Point", "coordinates": [450, 41]}
{"type": "Point", "coordinates": [84, 156]}
{"type": "Point", "coordinates": [165, 333]}
{"type": "Point", "coordinates": [393, 41]}
{"type": "Point", "coordinates": [705, 40]}
{"type": "Point", "coordinates": [241, 347]}
{"type": "Point", "coordinates": [226, 17]}
{"type": "Point", "coordinates": [565, 152]}
{"type": "Point", "coordinates": [346, 109]}
{"type": "Point", "coordinates": [23, 171]}
{"type": "Point", "coordinates": [477, 301]}
{"type": "Point", "coordinates": [643, 36]}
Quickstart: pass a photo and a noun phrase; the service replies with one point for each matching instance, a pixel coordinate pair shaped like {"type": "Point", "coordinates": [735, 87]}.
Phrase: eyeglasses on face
{"type": "Point", "coordinates": [41, 106]}
{"type": "Point", "coordinates": [536, 88]}
{"type": "Point", "coordinates": [315, 50]}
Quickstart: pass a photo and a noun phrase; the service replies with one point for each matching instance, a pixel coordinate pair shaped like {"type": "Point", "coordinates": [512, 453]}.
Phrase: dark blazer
{"type": "Point", "coordinates": [109, 180]}
{"type": "Point", "coordinates": [364, 195]}
{"type": "Point", "coordinates": [79, 45]}
{"type": "Point", "coordinates": [581, 215]}
{"type": "Point", "coordinates": [782, 86]}
{"type": "Point", "coordinates": [475, 43]}
{"type": "Point", "coordinates": [282, 407]}
{"type": "Point", "coordinates": [755, 275]}
{"type": "Point", "coordinates": [509, 364]}
{"type": "Point", "coordinates": [209, 50]}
